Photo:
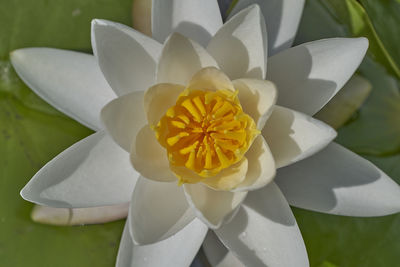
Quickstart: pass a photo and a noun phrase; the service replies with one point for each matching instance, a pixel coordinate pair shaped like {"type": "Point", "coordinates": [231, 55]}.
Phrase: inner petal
{"type": "Point", "coordinates": [206, 131]}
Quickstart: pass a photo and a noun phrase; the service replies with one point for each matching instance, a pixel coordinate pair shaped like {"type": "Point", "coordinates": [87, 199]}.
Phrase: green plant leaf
{"type": "Point", "coordinates": [32, 133]}
{"type": "Point", "coordinates": [375, 129]}
{"type": "Point", "coordinates": [385, 16]}
{"type": "Point", "coordinates": [335, 18]}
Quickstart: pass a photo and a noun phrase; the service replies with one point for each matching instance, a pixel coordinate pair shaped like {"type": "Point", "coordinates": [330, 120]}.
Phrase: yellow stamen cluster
{"type": "Point", "coordinates": [206, 131]}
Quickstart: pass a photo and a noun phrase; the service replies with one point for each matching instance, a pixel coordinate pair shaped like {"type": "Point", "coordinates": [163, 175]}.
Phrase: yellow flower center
{"type": "Point", "coordinates": [206, 131]}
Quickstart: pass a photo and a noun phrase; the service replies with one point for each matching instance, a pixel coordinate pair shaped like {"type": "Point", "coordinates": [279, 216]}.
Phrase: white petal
{"type": "Point", "coordinates": [261, 167]}
{"type": "Point", "coordinates": [240, 46]}
{"type": "Point", "coordinates": [93, 172]}
{"type": "Point", "coordinates": [217, 254]}
{"type": "Point", "coordinates": [257, 98]}
{"type": "Point", "coordinates": [211, 206]}
{"type": "Point", "coordinates": [79, 216]}
{"type": "Point", "coordinates": [70, 81]}
{"type": "Point", "coordinates": [293, 136]}
{"type": "Point", "coordinates": [149, 158]}
{"type": "Point", "coordinates": [264, 232]}
{"type": "Point", "coordinates": [177, 251]}
{"type": "Point", "coordinates": [198, 20]}
{"type": "Point", "coordinates": [158, 210]}
{"type": "Point", "coordinates": [309, 75]}
{"type": "Point", "coordinates": [124, 117]}
{"type": "Point", "coordinates": [158, 99]}
{"type": "Point", "coordinates": [126, 57]}
{"type": "Point", "coordinates": [337, 181]}
{"type": "Point", "coordinates": [282, 18]}
{"type": "Point", "coordinates": [180, 59]}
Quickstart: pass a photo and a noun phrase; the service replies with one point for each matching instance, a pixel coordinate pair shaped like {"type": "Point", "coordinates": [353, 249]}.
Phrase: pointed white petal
{"type": "Point", "coordinates": [264, 232]}
{"type": "Point", "coordinates": [178, 250]}
{"type": "Point", "coordinates": [217, 254]}
{"type": "Point", "coordinates": [180, 59]}
{"type": "Point", "coordinates": [282, 18]}
{"type": "Point", "coordinates": [69, 81]}
{"type": "Point", "coordinates": [198, 20]}
{"type": "Point", "coordinates": [93, 172]}
{"type": "Point", "coordinates": [309, 75]}
{"type": "Point", "coordinates": [126, 57]}
{"type": "Point", "coordinates": [261, 167]}
{"type": "Point", "coordinates": [211, 206]}
{"type": "Point", "coordinates": [240, 46]}
{"type": "Point", "coordinates": [158, 210]}
{"type": "Point", "coordinates": [124, 117]}
{"type": "Point", "coordinates": [257, 98]}
{"type": "Point", "coordinates": [337, 181]}
{"type": "Point", "coordinates": [79, 216]}
{"type": "Point", "coordinates": [293, 136]}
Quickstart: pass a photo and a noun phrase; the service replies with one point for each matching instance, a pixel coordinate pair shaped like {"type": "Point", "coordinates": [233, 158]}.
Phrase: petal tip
{"type": "Point", "coordinates": [17, 55]}
{"type": "Point", "coordinates": [98, 22]}
{"type": "Point", "coordinates": [25, 193]}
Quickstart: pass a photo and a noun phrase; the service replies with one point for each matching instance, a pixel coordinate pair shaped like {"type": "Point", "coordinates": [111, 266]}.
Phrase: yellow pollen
{"type": "Point", "coordinates": [206, 132]}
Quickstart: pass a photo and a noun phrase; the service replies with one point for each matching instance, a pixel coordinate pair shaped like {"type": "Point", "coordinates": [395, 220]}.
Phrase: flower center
{"type": "Point", "coordinates": [206, 131]}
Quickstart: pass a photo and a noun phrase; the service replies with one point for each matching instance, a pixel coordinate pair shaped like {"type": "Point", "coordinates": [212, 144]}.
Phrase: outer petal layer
{"type": "Point", "coordinates": [217, 254]}
{"type": "Point", "coordinates": [337, 181]}
{"type": "Point", "coordinates": [180, 59]}
{"type": "Point", "coordinates": [70, 81]}
{"type": "Point", "coordinates": [264, 232]}
{"type": "Point", "coordinates": [240, 46]}
{"type": "Point", "coordinates": [198, 20]}
{"type": "Point", "coordinates": [212, 207]}
{"type": "Point", "coordinates": [176, 251]}
{"type": "Point", "coordinates": [293, 136]}
{"type": "Point", "coordinates": [309, 75]}
{"type": "Point", "coordinates": [93, 172]}
{"type": "Point", "coordinates": [158, 210]}
{"type": "Point", "coordinates": [282, 18]}
{"type": "Point", "coordinates": [127, 58]}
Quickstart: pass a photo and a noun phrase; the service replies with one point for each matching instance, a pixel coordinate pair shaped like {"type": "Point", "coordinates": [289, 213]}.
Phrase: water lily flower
{"type": "Point", "coordinates": [194, 112]}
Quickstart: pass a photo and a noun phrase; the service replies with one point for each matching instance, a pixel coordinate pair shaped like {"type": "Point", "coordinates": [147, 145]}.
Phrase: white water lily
{"type": "Point", "coordinates": [167, 223]}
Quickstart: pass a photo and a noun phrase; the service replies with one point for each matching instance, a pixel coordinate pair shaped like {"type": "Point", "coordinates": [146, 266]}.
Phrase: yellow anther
{"type": "Point", "coordinates": [184, 118]}
{"type": "Point", "coordinates": [173, 140]}
{"type": "Point", "coordinates": [223, 159]}
{"type": "Point", "coordinates": [191, 160]}
{"type": "Point", "coordinates": [170, 113]}
{"type": "Point", "coordinates": [189, 149]}
{"type": "Point", "coordinates": [225, 108]}
{"type": "Point", "coordinates": [199, 104]}
{"type": "Point", "coordinates": [178, 124]}
{"type": "Point", "coordinates": [192, 109]}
